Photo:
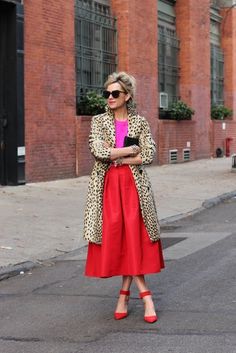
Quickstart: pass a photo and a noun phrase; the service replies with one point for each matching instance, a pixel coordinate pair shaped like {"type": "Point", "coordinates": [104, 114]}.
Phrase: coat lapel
{"type": "Point", "coordinates": [109, 129]}
{"type": "Point", "coordinates": [134, 126]}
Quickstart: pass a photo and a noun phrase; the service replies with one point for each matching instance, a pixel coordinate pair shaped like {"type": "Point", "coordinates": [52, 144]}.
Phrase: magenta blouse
{"type": "Point", "coordinates": [121, 129]}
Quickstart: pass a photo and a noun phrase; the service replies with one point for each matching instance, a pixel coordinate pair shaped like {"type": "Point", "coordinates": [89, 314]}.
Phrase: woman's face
{"type": "Point", "coordinates": [115, 103]}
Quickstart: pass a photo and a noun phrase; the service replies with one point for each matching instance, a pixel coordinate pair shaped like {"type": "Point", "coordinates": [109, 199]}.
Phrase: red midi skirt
{"type": "Point", "coordinates": [126, 248]}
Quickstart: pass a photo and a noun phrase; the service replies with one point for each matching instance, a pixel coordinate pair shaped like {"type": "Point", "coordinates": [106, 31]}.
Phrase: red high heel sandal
{"type": "Point", "coordinates": [149, 319]}
{"type": "Point", "coordinates": [119, 316]}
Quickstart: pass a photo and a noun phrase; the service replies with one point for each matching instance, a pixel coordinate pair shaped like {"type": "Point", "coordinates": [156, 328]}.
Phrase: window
{"type": "Point", "coordinates": [215, 3]}
{"type": "Point", "coordinates": [217, 75]}
{"type": "Point", "coordinates": [95, 42]}
{"type": "Point", "coordinates": [168, 52]}
{"type": "Point", "coordinates": [217, 59]}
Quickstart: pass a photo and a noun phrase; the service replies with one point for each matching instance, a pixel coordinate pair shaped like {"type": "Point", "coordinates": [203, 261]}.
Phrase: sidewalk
{"type": "Point", "coordinates": [43, 220]}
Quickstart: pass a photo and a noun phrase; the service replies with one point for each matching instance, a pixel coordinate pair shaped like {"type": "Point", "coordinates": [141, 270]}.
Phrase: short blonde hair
{"type": "Point", "coordinates": [127, 82]}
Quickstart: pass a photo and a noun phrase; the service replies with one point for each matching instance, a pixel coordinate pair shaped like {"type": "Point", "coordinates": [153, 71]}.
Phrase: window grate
{"type": "Point", "coordinates": [186, 154]}
{"type": "Point", "coordinates": [217, 56]}
{"type": "Point", "coordinates": [217, 75]}
{"type": "Point", "coordinates": [168, 62]}
{"type": "Point", "coordinates": [173, 156]}
{"type": "Point", "coordinates": [95, 44]}
{"type": "Point", "coordinates": [215, 3]}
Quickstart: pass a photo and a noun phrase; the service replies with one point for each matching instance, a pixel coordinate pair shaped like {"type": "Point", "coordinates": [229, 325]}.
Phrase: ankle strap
{"type": "Point", "coordinates": [144, 294]}
{"type": "Point", "coordinates": [125, 292]}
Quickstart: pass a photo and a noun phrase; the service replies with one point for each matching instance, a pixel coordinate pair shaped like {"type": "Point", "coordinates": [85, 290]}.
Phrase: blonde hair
{"type": "Point", "coordinates": [127, 82]}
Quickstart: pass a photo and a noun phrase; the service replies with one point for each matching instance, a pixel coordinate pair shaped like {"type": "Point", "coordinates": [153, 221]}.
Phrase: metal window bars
{"type": "Point", "coordinates": [168, 62]}
{"type": "Point", "coordinates": [215, 3]}
{"type": "Point", "coordinates": [95, 44]}
{"type": "Point", "coordinates": [217, 75]}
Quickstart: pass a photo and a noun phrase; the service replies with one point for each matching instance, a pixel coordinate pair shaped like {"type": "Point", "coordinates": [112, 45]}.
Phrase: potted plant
{"type": "Point", "coordinates": [91, 104]}
{"type": "Point", "coordinates": [220, 112]}
{"type": "Point", "coordinates": [181, 111]}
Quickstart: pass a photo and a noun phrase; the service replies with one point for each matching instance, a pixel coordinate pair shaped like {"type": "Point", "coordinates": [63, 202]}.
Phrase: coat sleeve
{"type": "Point", "coordinates": [147, 144]}
{"type": "Point", "coordinates": [96, 140]}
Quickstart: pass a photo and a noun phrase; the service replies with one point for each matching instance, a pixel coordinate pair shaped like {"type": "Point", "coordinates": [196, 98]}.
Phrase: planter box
{"type": "Point", "coordinates": [166, 115]}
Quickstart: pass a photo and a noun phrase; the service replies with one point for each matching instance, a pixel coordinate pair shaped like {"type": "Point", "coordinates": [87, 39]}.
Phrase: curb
{"type": "Point", "coordinates": [165, 223]}
{"type": "Point", "coordinates": [216, 200]}
{"type": "Point", "coordinates": [14, 270]}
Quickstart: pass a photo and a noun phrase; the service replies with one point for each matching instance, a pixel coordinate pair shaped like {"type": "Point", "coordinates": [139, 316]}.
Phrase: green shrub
{"type": "Point", "coordinates": [220, 112]}
{"type": "Point", "coordinates": [91, 104]}
{"type": "Point", "coordinates": [181, 111]}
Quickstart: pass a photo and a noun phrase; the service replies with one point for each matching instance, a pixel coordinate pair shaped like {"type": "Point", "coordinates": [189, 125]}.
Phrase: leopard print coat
{"type": "Point", "coordinates": [103, 129]}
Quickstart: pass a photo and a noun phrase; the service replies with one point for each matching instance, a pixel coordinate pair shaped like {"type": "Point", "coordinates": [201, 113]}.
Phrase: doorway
{"type": "Point", "coordinates": [11, 94]}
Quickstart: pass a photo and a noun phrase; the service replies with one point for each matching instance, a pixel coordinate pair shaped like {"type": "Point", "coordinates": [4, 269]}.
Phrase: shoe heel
{"type": "Point", "coordinates": [150, 319]}
{"type": "Point", "coordinates": [120, 316]}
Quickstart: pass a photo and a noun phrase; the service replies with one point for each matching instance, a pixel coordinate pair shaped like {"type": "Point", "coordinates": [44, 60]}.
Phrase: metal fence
{"type": "Point", "coordinates": [217, 75]}
{"type": "Point", "coordinates": [96, 46]}
{"type": "Point", "coordinates": [168, 63]}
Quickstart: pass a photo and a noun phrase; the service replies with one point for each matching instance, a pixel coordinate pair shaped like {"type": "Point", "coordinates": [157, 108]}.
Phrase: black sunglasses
{"type": "Point", "coordinates": [115, 94]}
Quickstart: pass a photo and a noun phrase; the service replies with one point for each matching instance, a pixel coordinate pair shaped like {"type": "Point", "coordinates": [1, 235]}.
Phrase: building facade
{"type": "Point", "coordinates": [53, 52]}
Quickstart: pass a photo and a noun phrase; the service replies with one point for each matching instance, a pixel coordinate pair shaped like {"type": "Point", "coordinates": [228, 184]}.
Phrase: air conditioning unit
{"type": "Point", "coordinates": [163, 100]}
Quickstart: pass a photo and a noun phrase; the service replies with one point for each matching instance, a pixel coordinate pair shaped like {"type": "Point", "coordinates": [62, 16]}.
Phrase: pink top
{"type": "Point", "coordinates": [121, 128]}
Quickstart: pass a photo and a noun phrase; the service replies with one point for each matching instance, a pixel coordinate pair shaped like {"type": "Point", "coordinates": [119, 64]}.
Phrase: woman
{"type": "Point", "coordinates": [121, 224]}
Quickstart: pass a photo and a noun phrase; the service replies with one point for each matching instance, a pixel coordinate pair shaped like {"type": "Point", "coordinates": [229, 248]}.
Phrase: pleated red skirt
{"type": "Point", "coordinates": [126, 248]}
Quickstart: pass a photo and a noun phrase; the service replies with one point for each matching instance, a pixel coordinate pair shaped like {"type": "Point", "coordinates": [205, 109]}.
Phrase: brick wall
{"type": "Point", "coordinates": [49, 90]}
{"type": "Point", "coordinates": [176, 135]}
{"type": "Point", "coordinates": [221, 134]}
{"type": "Point", "coordinates": [228, 30]}
{"type": "Point", "coordinates": [194, 33]}
{"type": "Point", "coordinates": [84, 159]}
{"type": "Point", "coordinates": [137, 51]}
{"type": "Point", "coordinates": [57, 140]}
{"type": "Point", "coordinates": [137, 54]}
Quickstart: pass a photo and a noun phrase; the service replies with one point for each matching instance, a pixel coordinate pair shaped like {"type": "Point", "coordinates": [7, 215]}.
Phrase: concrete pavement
{"type": "Point", "coordinates": [42, 220]}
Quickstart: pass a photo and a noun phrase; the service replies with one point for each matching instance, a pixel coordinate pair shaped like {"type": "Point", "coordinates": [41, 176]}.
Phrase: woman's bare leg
{"type": "Point", "coordinates": [122, 301]}
{"type": "Point", "coordinates": [142, 287]}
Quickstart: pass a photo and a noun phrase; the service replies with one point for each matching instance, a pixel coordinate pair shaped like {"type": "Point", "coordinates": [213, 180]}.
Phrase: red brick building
{"type": "Point", "coordinates": [53, 51]}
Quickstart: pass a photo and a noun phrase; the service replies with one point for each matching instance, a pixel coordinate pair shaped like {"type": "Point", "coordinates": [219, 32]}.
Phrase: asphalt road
{"type": "Point", "coordinates": [55, 309]}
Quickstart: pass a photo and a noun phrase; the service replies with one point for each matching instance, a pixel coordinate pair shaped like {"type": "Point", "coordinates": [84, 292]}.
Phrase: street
{"type": "Point", "coordinates": [55, 309]}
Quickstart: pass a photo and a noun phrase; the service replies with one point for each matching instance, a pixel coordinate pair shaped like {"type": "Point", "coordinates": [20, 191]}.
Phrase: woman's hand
{"type": "Point", "coordinates": [130, 151]}
{"type": "Point", "coordinates": [135, 150]}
